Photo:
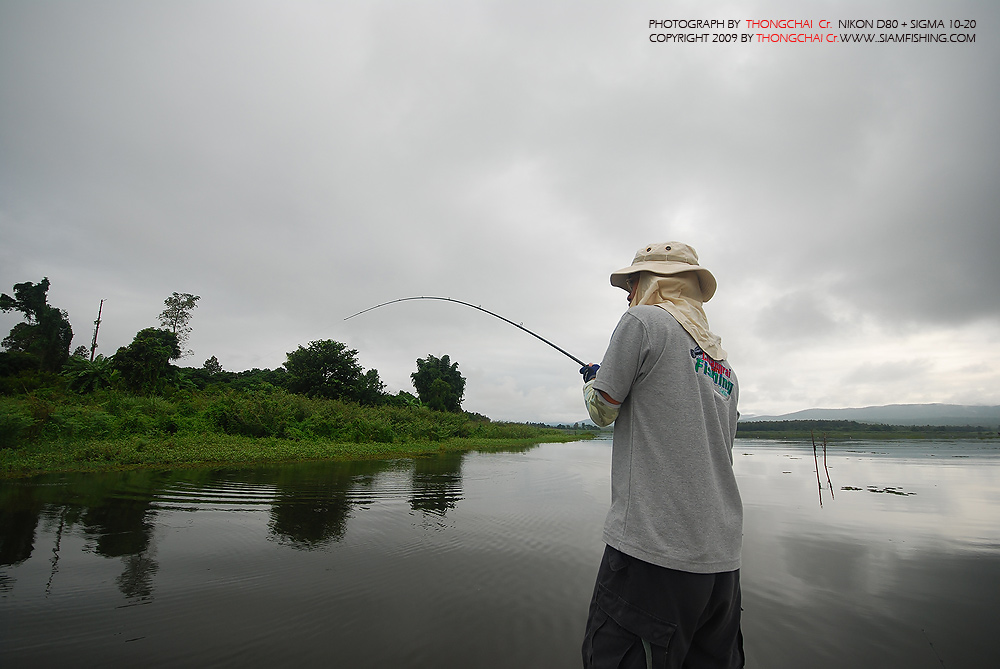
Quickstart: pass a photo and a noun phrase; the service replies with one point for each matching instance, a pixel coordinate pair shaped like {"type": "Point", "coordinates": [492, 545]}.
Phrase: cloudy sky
{"type": "Point", "coordinates": [295, 162]}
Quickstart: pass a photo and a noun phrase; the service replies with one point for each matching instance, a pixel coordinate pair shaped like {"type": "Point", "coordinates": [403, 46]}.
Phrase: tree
{"type": "Point", "coordinates": [370, 390]}
{"type": "Point", "coordinates": [327, 368]}
{"type": "Point", "coordinates": [144, 364]}
{"type": "Point", "coordinates": [259, 378]}
{"type": "Point", "coordinates": [213, 366]}
{"type": "Point", "coordinates": [439, 384]}
{"type": "Point", "coordinates": [46, 335]}
{"type": "Point", "coordinates": [177, 315]}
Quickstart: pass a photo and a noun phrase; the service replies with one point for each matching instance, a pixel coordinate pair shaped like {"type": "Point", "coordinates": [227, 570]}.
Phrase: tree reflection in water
{"type": "Point", "coordinates": [116, 513]}
{"type": "Point", "coordinates": [18, 521]}
{"type": "Point", "coordinates": [122, 527]}
{"type": "Point", "coordinates": [314, 500]}
{"type": "Point", "coordinates": [437, 483]}
{"type": "Point", "coordinates": [17, 534]}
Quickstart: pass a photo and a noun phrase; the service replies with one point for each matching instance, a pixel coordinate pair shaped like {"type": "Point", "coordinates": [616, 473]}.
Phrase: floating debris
{"type": "Point", "coordinates": [892, 490]}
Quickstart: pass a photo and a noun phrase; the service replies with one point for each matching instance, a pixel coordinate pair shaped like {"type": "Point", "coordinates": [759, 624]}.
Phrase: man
{"type": "Point", "coordinates": [668, 589]}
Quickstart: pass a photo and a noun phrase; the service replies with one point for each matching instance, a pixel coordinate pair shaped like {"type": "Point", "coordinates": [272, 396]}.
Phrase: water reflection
{"type": "Point", "coordinates": [437, 483]}
{"type": "Point", "coordinates": [871, 579]}
{"type": "Point", "coordinates": [17, 533]}
{"type": "Point", "coordinates": [116, 514]}
{"type": "Point", "coordinates": [846, 603]}
{"type": "Point", "coordinates": [313, 501]}
{"type": "Point", "coordinates": [252, 567]}
{"type": "Point", "coordinates": [123, 528]}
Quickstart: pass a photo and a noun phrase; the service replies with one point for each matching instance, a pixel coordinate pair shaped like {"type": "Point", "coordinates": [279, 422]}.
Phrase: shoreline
{"type": "Point", "coordinates": [233, 451]}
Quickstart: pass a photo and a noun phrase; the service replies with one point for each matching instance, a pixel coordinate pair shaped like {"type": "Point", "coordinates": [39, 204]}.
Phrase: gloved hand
{"type": "Point", "coordinates": [589, 372]}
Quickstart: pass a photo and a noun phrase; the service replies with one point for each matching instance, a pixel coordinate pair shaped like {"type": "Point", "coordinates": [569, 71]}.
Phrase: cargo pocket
{"type": "Point", "coordinates": [625, 630]}
{"type": "Point", "coordinates": [609, 646]}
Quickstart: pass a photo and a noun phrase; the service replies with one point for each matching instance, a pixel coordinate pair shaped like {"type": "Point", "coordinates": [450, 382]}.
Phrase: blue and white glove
{"type": "Point", "coordinates": [589, 372]}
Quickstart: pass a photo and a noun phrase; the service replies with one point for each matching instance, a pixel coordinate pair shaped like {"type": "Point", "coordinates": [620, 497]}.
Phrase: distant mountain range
{"type": "Point", "coordinates": [900, 414]}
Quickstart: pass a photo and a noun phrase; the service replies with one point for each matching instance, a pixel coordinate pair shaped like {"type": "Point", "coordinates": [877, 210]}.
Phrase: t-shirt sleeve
{"type": "Point", "coordinates": [623, 359]}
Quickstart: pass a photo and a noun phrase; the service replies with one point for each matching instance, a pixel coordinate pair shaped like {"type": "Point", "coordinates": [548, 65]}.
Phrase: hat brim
{"type": "Point", "coordinates": [667, 268]}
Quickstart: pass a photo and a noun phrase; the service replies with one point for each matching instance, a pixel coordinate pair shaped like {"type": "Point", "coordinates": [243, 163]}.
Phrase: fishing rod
{"type": "Point", "coordinates": [506, 320]}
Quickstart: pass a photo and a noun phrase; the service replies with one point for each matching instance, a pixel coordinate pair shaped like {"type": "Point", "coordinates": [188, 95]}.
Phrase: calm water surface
{"type": "Point", "coordinates": [488, 560]}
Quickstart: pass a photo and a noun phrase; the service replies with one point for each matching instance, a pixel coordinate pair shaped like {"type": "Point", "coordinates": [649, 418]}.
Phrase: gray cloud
{"type": "Point", "coordinates": [293, 163]}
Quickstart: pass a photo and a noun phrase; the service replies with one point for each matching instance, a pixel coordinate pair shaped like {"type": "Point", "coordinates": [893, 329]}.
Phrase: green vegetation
{"type": "Point", "coordinates": [137, 409]}
{"type": "Point", "coordinates": [439, 384]}
{"type": "Point", "coordinates": [144, 365]}
{"type": "Point", "coordinates": [44, 338]}
{"type": "Point", "coordinates": [58, 430]}
{"type": "Point", "coordinates": [327, 368]}
{"type": "Point", "coordinates": [838, 430]}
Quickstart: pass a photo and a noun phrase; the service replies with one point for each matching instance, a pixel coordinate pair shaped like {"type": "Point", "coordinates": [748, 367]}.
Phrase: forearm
{"type": "Point", "coordinates": [602, 411]}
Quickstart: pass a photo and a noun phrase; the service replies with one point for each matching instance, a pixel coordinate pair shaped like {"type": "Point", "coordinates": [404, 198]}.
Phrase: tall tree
{"type": "Point", "coordinates": [327, 368]}
{"type": "Point", "coordinates": [46, 333]}
{"type": "Point", "coordinates": [144, 364]}
{"type": "Point", "coordinates": [439, 384]}
{"type": "Point", "coordinates": [177, 315]}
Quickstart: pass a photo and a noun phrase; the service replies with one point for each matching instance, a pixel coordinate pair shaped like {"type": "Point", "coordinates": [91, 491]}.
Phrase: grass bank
{"type": "Point", "coordinates": [207, 450]}
{"type": "Point", "coordinates": [60, 431]}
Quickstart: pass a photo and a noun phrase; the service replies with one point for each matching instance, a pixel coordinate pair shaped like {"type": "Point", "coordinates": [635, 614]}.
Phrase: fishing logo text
{"type": "Point", "coordinates": [717, 371]}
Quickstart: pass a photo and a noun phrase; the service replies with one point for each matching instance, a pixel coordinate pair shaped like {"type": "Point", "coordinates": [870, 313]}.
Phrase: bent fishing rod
{"type": "Point", "coordinates": [506, 320]}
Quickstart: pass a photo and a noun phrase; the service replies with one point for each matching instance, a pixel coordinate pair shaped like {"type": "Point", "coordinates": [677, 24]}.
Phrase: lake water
{"type": "Point", "coordinates": [488, 560]}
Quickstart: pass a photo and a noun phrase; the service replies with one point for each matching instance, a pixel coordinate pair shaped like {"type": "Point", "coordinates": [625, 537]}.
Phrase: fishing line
{"type": "Point", "coordinates": [506, 320]}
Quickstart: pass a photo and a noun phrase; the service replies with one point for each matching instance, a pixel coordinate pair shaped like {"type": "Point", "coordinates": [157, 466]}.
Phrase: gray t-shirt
{"type": "Point", "coordinates": [674, 499]}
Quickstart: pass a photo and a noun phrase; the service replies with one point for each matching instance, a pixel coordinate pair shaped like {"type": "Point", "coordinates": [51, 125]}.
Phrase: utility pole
{"type": "Point", "coordinates": [97, 326]}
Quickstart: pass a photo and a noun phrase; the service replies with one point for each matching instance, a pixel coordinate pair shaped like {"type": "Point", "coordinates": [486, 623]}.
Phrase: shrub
{"type": "Point", "coordinates": [257, 413]}
{"type": "Point", "coordinates": [14, 425]}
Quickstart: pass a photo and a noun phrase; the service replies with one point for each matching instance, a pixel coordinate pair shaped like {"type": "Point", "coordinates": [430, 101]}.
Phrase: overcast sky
{"type": "Point", "coordinates": [295, 162]}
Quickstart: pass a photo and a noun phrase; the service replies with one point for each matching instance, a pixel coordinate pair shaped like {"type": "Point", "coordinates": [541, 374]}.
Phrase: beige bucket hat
{"type": "Point", "coordinates": [666, 258]}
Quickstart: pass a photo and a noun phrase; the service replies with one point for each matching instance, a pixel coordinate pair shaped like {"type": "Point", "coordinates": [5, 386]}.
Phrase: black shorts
{"type": "Point", "coordinates": [643, 615]}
